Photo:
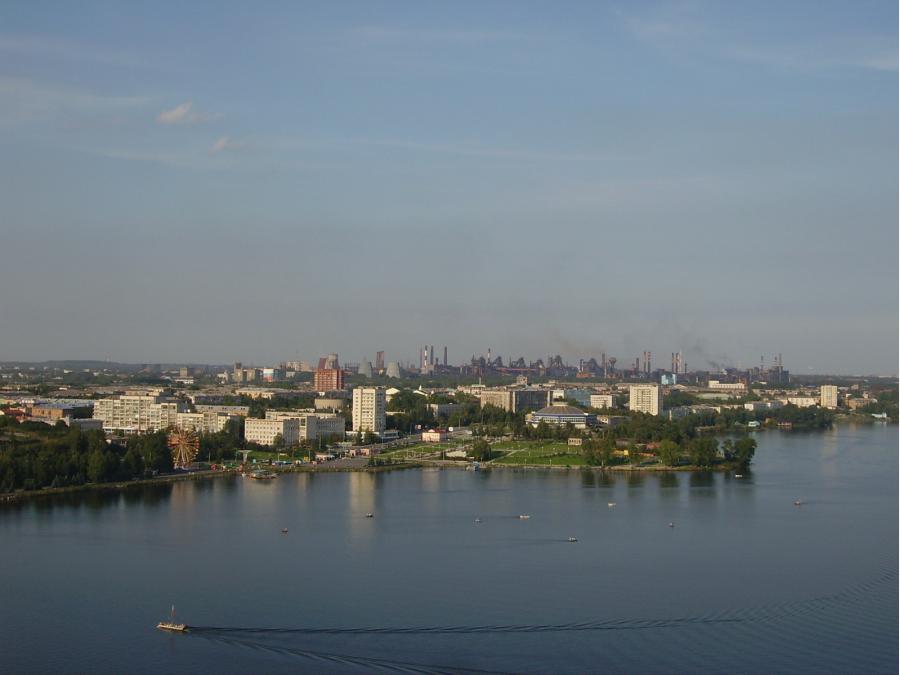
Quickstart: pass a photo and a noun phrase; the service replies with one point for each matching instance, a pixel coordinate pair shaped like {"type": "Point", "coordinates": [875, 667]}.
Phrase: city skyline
{"type": "Point", "coordinates": [195, 184]}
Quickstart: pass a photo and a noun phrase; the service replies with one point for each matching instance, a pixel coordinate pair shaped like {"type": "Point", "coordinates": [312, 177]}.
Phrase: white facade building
{"type": "Point", "coordinates": [645, 398]}
{"type": "Point", "coordinates": [138, 413]}
{"type": "Point", "coordinates": [368, 409]}
{"type": "Point", "coordinates": [264, 432]}
{"type": "Point", "coordinates": [603, 401]}
{"type": "Point", "coordinates": [828, 396]}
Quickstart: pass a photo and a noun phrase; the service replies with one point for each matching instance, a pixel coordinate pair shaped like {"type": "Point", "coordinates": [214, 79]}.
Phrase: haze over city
{"type": "Point", "coordinates": [712, 178]}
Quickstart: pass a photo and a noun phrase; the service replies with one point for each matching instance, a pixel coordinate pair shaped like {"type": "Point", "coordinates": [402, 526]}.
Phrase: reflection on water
{"type": "Point", "coordinates": [668, 480]}
{"type": "Point", "coordinates": [745, 581]}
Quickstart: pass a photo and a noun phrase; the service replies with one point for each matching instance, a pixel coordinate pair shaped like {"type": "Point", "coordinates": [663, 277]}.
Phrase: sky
{"type": "Point", "coordinates": [214, 182]}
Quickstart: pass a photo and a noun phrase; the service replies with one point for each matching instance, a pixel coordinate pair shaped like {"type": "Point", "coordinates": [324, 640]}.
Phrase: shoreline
{"type": "Point", "coordinates": [123, 486]}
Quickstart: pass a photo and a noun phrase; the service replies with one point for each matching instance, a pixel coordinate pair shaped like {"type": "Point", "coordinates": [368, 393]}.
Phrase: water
{"type": "Point", "coordinates": [745, 580]}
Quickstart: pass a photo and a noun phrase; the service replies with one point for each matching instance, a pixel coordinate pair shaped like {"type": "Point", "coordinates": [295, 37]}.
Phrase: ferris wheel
{"type": "Point", "coordinates": [185, 445]}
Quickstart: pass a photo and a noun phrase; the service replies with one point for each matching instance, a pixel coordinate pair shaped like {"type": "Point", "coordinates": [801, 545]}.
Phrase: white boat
{"type": "Point", "coordinates": [671, 524]}
{"type": "Point", "coordinates": [524, 516]}
{"type": "Point", "coordinates": [611, 505]}
{"type": "Point", "coordinates": [738, 475]}
{"type": "Point", "coordinates": [573, 539]}
{"type": "Point", "coordinates": [370, 515]}
{"type": "Point", "coordinates": [478, 520]}
{"type": "Point", "coordinates": [171, 625]}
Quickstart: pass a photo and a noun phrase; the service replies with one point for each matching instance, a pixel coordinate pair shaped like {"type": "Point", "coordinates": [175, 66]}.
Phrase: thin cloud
{"type": "Point", "coordinates": [183, 114]}
{"type": "Point", "coordinates": [870, 52]}
{"type": "Point", "coordinates": [463, 149]}
{"type": "Point", "coordinates": [222, 144]}
{"type": "Point", "coordinates": [24, 100]}
{"type": "Point", "coordinates": [52, 47]}
{"type": "Point", "coordinates": [428, 34]}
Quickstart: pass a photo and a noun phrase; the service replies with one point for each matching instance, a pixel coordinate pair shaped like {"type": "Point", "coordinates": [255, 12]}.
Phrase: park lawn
{"type": "Point", "coordinates": [547, 453]}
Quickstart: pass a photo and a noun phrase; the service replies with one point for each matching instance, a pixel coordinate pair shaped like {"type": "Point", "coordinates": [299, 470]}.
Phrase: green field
{"type": "Point", "coordinates": [538, 453]}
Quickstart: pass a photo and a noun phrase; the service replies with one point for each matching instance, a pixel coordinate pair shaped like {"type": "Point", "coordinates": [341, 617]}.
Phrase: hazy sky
{"type": "Point", "coordinates": [205, 182]}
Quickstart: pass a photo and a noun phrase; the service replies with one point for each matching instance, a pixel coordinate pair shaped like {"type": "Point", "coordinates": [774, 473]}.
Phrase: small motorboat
{"type": "Point", "coordinates": [370, 515]}
{"type": "Point", "coordinates": [738, 475]}
{"type": "Point", "coordinates": [573, 539]}
{"type": "Point", "coordinates": [524, 516]}
{"type": "Point", "coordinates": [263, 475]}
{"type": "Point", "coordinates": [284, 530]}
{"type": "Point", "coordinates": [172, 625]}
{"type": "Point", "coordinates": [478, 520]}
{"type": "Point", "coordinates": [798, 503]}
{"type": "Point", "coordinates": [611, 505]}
{"type": "Point", "coordinates": [671, 524]}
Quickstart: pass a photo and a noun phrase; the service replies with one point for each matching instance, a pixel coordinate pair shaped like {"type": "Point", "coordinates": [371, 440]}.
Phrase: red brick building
{"type": "Point", "coordinates": [328, 379]}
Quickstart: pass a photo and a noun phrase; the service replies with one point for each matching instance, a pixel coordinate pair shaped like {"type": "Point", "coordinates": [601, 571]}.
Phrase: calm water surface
{"type": "Point", "coordinates": [745, 581]}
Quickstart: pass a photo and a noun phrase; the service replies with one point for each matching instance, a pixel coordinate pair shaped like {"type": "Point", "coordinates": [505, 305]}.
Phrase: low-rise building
{"type": "Point", "coordinates": [265, 432]}
{"type": "Point", "coordinates": [715, 385]}
{"type": "Point", "coordinates": [801, 401]}
{"type": "Point", "coordinates": [603, 401]}
{"type": "Point", "coordinates": [560, 415]}
{"type": "Point", "coordinates": [434, 436]}
{"type": "Point", "coordinates": [444, 409]}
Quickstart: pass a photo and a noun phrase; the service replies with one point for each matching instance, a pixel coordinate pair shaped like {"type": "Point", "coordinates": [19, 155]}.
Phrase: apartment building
{"type": "Point", "coordinates": [328, 379]}
{"type": "Point", "coordinates": [828, 396]}
{"type": "Point", "coordinates": [368, 409]}
{"type": "Point", "coordinates": [645, 398]}
{"type": "Point", "coordinates": [515, 400]}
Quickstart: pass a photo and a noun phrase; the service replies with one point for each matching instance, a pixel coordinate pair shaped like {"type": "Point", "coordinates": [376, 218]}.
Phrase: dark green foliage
{"type": "Point", "coordinates": [53, 457]}
{"type": "Point", "coordinates": [481, 450]}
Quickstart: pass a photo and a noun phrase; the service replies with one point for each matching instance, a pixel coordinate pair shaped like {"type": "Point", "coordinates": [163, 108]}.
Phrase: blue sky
{"type": "Point", "coordinates": [206, 182]}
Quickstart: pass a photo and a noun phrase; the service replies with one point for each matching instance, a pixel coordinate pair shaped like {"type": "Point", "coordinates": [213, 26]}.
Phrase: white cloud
{"type": "Point", "coordinates": [183, 114]}
{"type": "Point", "coordinates": [222, 144]}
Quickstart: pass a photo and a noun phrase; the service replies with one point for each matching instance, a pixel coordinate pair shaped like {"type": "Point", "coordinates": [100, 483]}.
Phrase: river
{"type": "Point", "coordinates": [743, 579]}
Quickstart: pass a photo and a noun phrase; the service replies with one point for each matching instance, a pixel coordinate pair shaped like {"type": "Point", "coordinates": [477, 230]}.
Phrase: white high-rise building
{"type": "Point", "coordinates": [645, 398]}
{"type": "Point", "coordinates": [368, 409]}
{"type": "Point", "coordinates": [828, 396]}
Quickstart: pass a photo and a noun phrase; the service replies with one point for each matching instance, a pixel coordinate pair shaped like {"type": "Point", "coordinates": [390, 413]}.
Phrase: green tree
{"type": "Point", "coordinates": [481, 450]}
{"type": "Point", "coordinates": [744, 450]}
{"type": "Point", "coordinates": [703, 451]}
{"type": "Point", "coordinates": [668, 452]}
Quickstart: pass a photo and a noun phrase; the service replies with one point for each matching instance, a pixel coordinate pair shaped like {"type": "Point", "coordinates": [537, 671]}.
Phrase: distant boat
{"type": "Point", "coordinates": [172, 625]}
{"type": "Point", "coordinates": [284, 530]}
{"type": "Point", "coordinates": [798, 503]}
{"type": "Point", "coordinates": [262, 474]}
{"type": "Point", "coordinates": [738, 475]}
{"type": "Point", "coordinates": [573, 539]}
{"type": "Point", "coordinates": [478, 520]}
{"type": "Point", "coordinates": [370, 515]}
{"type": "Point", "coordinates": [524, 516]}
{"type": "Point", "coordinates": [671, 524]}
{"type": "Point", "coordinates": [611, 505]}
